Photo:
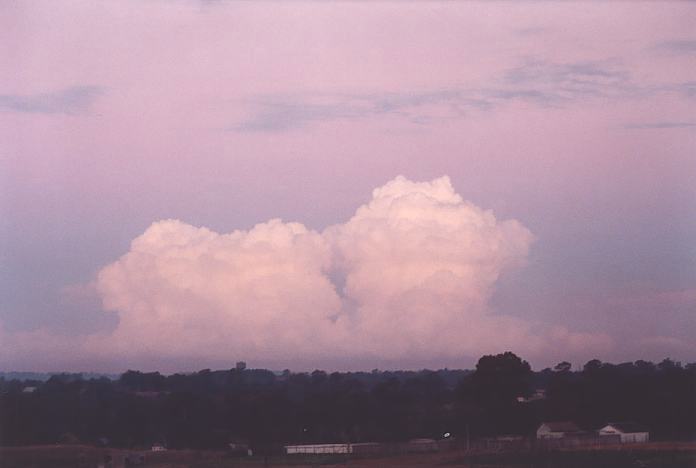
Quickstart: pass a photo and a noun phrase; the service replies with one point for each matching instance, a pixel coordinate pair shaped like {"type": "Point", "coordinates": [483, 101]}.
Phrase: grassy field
{"type": "Point", "coordinates": [654, 455]}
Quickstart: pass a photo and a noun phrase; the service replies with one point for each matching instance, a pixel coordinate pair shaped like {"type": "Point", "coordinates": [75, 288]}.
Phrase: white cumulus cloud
{"type": "Point", "coordinates": [187, 291]}
{"type": "Point", "coordinates": [407, 278]}
{"type": "Point", "coordinates": [419, 265]}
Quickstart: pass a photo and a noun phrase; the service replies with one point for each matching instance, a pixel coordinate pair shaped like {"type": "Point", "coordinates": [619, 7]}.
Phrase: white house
{"type": "Point", "coordinates": [557, 430]}
{"type": "Point", "coordinates": [629, 432]}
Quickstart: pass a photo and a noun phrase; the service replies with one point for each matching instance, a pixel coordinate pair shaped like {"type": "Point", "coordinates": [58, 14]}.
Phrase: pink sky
{"type": "Point", "coordinates": [575, 120]}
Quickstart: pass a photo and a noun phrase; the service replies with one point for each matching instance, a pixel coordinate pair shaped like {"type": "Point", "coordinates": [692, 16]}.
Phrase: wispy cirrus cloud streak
{"type": "Point", "coordinates": [686, 89]}
{"type": "Point", "coordinates": [538, 82]}
{"type": "Point", "coordinates": [284, 112]}
{"type": "Point", "coordinates": [658, 125]}
{"type": "Point", "coordinates": [679, 46]}
{"type": "Point", "coordinates": [554, 83]}
{"type": "Point", "coordinates": [71, 100]}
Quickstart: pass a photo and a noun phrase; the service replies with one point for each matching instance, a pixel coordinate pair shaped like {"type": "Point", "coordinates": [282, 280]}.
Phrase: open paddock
{"type": "Point", "coordinates": [650, 455]}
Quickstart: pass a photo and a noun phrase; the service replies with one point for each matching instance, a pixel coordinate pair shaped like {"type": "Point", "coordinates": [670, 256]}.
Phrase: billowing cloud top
{"type": "Point", "coordinates": [189, 291]}
{"type": "Point", "coordinates": [408, 275]}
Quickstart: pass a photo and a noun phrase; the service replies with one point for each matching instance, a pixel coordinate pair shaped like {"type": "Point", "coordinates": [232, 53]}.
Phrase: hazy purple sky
{"type": "Point", "coordinates": [546, 204]}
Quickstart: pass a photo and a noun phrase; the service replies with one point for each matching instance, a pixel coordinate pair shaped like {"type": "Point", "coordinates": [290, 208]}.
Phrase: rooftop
{"type": "Point", "coordinates": [628, 427]}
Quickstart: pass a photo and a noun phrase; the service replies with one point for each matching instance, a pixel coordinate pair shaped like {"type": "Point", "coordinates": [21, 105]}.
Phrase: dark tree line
{"type": "Point", "coordinates": [209, 409]}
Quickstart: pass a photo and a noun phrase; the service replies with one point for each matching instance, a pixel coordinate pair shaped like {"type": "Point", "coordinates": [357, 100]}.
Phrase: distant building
{"type": "Point", "coordinates": [629, 432]}
{"type": "Point", "coordinates": [318, 448]}
{"type": "Point", "coordinates": [239, 447]}
{"type": "Point", "coordinates": [158, 448]}
{"type": "Point", "coordinates": [539, 394]}
{"type": "Point", "coordinates": [558, 430]}
{"type": "Point", "coordinates": [28, 389]}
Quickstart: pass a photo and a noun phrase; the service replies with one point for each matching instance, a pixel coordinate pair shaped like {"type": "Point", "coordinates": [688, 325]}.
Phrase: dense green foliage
{"type": "Point", "coordinates": [208, 409]}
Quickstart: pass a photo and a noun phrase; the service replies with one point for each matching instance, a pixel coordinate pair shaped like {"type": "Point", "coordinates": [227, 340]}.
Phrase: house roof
{"type": "Point", "coordinates": [562, 426]}
{"type": "Point", "coordinates": [628, 427]}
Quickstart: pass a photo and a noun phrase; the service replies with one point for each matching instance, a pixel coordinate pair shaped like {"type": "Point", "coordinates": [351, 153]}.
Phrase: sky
{"type": "Point", "coordinates": [345, 185]}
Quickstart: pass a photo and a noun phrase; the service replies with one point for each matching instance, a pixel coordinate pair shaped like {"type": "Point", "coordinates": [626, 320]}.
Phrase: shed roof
{"type": "Point", "coordinates": [628, 427]}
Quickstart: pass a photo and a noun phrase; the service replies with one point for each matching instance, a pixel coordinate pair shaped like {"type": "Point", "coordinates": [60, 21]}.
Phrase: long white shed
{"type": "Point", "coordinates": [318, 448]}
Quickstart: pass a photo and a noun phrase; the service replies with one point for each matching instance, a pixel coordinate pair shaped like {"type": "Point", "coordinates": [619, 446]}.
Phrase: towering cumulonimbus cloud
{"type": "Point", "coordinates": [419, 264]}
{"type": "Point", "coordinates": [410, 274]}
